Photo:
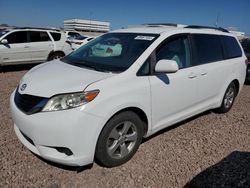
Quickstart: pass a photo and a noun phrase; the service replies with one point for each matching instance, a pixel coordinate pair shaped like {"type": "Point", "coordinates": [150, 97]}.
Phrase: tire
{"type": "Point", "coordinates": [119, 139]}
{"type": "Point", "coordinates": [228, 99]}
{"type": "Point", "coordinates": [55, 55]}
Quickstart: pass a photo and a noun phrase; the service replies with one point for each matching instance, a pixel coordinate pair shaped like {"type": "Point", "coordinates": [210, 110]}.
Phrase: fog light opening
{"type": "Point", "coordinates": [64, 150]}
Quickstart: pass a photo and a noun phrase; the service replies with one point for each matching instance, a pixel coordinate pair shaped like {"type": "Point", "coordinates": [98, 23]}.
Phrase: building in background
{"type": "Point", "coordinates": [240, 35]}
{"type": "Point", "coordinates": [6, 26]}
{"type": "Point", "coordinates": [87, 27]}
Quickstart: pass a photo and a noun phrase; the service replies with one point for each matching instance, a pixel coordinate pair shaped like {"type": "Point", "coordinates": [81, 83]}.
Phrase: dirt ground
{"type": "Point", "coordinates": [209, 150]}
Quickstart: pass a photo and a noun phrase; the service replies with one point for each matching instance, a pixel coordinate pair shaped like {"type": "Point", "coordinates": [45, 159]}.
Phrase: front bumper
{"type": "Point", "coordinates": [73, 129]}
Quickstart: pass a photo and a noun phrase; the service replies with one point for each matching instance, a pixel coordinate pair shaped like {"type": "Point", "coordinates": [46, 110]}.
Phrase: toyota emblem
{"type": "Point", "coordinates": [23, 87]}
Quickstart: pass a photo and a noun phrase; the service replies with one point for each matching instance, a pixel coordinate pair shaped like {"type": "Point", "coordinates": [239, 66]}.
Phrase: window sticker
{"type": "Point", "coordinates": [140, 37]}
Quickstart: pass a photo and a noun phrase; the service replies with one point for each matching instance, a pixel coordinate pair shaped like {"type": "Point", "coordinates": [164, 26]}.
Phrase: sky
{"type": "Point", "coordinates": [51, 13]}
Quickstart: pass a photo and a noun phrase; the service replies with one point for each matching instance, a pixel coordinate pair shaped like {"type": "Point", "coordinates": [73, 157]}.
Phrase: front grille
{"type": "Point", "coordinates": [29, 104]}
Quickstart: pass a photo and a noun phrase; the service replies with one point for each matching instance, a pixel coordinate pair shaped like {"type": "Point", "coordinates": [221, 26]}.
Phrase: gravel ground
{"type": "Point", "coordinates": [209, 150]}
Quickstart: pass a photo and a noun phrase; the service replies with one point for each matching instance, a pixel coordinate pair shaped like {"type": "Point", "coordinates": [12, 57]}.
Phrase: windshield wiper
{"type": "Point", "coordinates": [84, 64]}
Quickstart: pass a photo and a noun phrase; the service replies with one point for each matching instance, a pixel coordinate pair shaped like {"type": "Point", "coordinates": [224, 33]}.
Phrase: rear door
{"type": "Point", "coordinates": [174, 95]}
{"type": "Point", "coordinates": [40, 45]}
{"type": "Point", "coordinates": [212, 70]}
{"type": "Point", "coordinates": [17, 50]}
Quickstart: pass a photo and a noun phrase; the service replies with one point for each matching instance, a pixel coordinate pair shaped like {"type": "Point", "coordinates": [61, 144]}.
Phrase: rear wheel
{"type": "Point", "coordinates": [55, 55]}
{"type": "Point", "coordinates": [228, 98]}
{"type": "Point", "coordinates": [119, 139]}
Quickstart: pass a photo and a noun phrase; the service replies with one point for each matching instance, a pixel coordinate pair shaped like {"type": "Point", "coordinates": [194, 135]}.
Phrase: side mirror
{"type": "Point", "coordinates": [166, 66]}
{"type": "Point", "coordinates": [4, 41]}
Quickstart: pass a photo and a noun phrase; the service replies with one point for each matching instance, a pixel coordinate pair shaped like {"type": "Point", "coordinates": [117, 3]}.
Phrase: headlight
{"type": "Point", "coordinates": [71, 100]}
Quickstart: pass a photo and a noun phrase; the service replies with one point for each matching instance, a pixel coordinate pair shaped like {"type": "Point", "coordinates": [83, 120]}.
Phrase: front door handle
{"type": "Point", "coordinates": [192, 75]}
{"type": "Point", "coordinates": [26, 46]}
{"type": "Point", "coordinates": [203, 72]}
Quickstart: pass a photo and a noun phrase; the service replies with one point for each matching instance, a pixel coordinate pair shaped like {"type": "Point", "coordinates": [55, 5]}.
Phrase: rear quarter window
{"type": "Point", "coordinates": [231, 47]}
{"type": "Point", "coordinates": [207, 48]}
{"type": "Point", "coordinates": [56, 36]}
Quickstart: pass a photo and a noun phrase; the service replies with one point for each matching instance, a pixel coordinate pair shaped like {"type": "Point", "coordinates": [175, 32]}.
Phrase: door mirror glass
{"type": "Point", "coordinates": [4, 41]}
{"type": "Point", "coordinates": [166, 66]}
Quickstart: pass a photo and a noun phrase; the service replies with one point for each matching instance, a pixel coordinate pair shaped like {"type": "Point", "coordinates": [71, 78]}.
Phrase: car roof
{"type": "Point", "coordinates": [172, 29]}
{"type": "Point", "coordinates": [36, 29]}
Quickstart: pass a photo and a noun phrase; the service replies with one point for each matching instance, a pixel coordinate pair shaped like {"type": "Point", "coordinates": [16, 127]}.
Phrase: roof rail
{"type": "Point", "coordinates": [40, 28]}
{"type": "Point", "coordinates": [160, 24]}
{"type": "Point", "coordinates": [207, 27]}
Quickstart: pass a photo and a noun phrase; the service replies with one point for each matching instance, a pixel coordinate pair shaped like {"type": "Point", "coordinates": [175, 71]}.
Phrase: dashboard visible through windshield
{"type": "Point", "coordinates": [112, 52]}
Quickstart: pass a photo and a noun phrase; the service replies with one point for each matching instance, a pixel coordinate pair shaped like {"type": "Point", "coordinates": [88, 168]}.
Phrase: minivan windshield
{"type": "Point", "coordinates": [112, 52]}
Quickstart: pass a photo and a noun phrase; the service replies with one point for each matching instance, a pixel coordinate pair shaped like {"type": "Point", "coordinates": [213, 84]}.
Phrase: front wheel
{"type": "Point", "coordinates": [228, 99]}
{"type": "Point", "coordinates": [119, 139]}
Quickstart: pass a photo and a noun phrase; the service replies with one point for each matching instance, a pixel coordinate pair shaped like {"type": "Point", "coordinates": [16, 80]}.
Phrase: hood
{"type": "Point", "coordinates": [56, 77]}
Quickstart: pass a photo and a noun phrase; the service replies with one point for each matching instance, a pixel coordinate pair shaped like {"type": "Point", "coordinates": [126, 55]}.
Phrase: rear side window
{"type": "Point", "coordinates": [56, 36]}
{"type": "Point", "coordinates": [231, 47]}
{"type": "Point", "coordinates": [208, 48]}
{"type": "Point", "coordinates": [39, 36]}
{"type": "Point", "coordinates": [74, 35]}
{"type": "Point", "coordinates": [17, 37]}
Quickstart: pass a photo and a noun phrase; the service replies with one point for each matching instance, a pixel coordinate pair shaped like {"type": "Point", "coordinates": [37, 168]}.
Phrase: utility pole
{"type": "Point", "coordinates": [90, 22]}
{"type": "Point", "coordinates": [217, 20]}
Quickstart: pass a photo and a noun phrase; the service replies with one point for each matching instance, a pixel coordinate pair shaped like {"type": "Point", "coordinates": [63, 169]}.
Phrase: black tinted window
{"type": "Point", "coordinates": [176, 49]}
{"type": "Point", "coordinates": [39, 36]}
{"type": "Point", "coordinates": [56, 36]}
{"type": "Point", "coordinates": [231, 47]}
{"type": "Point", "coordinates": [75, 35]}
{"type": "Point", "coordinates": [208, 48]}
{"type": "Point", "coordinates": [17, 37]}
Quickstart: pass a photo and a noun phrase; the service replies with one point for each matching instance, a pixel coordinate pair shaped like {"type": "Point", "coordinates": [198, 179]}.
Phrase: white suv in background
{"type": "Point", "coordinates": [102, 99]}
{"type": "Point", "coordinates": [30, 45]}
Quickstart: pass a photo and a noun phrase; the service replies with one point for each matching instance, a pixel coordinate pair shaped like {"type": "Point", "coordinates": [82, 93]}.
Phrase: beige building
{"type": "Point", "coordinates": [87, 27]}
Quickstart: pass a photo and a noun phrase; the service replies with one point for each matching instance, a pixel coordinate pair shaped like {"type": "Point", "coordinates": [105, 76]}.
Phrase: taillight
{"type": "Point", "coordinates": [109, 50]}
{"type": "Point", "coordinates": [246, 61]}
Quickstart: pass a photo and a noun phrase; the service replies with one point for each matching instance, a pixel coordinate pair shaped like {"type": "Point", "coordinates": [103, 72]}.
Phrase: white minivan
{"type": "Point", "coordinates": [98, 102]}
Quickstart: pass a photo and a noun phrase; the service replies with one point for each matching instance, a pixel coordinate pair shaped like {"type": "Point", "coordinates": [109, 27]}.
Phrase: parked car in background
{"type": "Point", "coordinates": [32, 45]}
{"type": "Point", "coordinates": [73, 34]}
{"type": "Point", "coordinates": [100, 101]}
{"type": "Point", "coordinates": [78, 41]}
{"type": "Point", "coordinates": [246, 46]}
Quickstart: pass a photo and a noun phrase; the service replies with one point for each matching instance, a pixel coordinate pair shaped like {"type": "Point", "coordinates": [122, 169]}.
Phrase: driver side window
{"type": "Point", "coordinates": [176, 49]}
{"type": "Point", "coordinates": [17, 37]}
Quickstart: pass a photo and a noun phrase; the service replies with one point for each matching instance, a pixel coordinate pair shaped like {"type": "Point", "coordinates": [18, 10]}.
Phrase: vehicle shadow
{"type": "Point", "coordinates": [232, 171]}
{"type": "Point", "coordinates": [77, 169]}
{"type": "Point", "coordinates": [14, 68]}
{"type": "Point", "coordinates": [176, 125]}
